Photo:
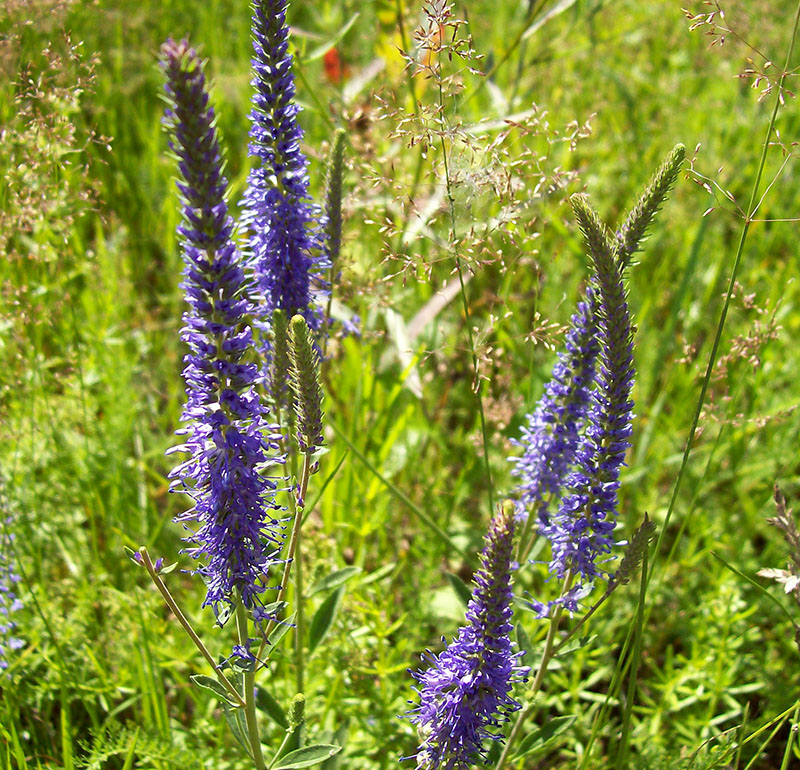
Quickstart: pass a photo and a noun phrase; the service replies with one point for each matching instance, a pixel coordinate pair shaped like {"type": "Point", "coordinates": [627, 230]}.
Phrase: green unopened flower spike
{"type": "Point", "coordinates": [630, 234]}
{"type": "Point", "coordinates": [333, 199]}
{"type": "Point", "coordinates": [279, 363]}
{"type": "Point", "coordinates": [297, 710]}
{"type": "Point", "coordinates": [635, 551]}
{"type": "Point", "coordinates": [599, 239]}
{"type": "Point", "coordinates": [305, 385]}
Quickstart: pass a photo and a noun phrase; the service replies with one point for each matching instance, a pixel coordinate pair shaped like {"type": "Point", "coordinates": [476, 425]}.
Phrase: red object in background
{"type": "Point", "coordinates": [335, 69]}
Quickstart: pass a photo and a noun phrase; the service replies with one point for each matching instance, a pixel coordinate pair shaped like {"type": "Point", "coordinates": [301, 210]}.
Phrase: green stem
{"type": "Point", "coordinates": [279, 752]}
{"type": "Point", "coordinates": [579, 625]}
{"type": "Point", "coordinates": [547, 656]}
{"type": "Point", "coordinates": [622, 751]}
{"type": "Point", "coordinates": [298, 585]}
{"type": "Point", "coordinates": [249, 691]}
{"type": "Point", "coordinates": [182, 619]}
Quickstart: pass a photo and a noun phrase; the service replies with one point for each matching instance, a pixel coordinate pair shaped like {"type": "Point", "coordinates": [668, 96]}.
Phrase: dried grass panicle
{"type": "Point", "coordinates": [784, 521]}
{"type": "Point", "coordinates": [737, 27]}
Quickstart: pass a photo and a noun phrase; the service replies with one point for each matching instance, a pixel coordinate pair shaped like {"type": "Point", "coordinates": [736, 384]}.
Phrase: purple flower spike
{"type": "Point", "coordinates": [465, 694]}
{"type": "Point", "coordinates": [284, 238]}
{"type": "Point", "coordinates": [227, 437]}
{"type": "Point", "coordinates": [582, 529]}
{"type": "Point", "coordinates": [550, 438]}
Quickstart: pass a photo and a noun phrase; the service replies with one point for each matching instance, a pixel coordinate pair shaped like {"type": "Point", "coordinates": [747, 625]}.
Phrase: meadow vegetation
{"type": "Point", "coordinates": [456, 186]}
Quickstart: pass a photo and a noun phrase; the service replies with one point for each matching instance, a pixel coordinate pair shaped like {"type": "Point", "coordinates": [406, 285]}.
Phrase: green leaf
{"type": "Point", "coordinates": [321, 50]}
{"type": "Point", "coordinates": [236, 721]}
{"type": "Point", "coordinates": [334, 580]}
{"type": "Point", "coordinates": [340, 738]}
{"type": "Point", "coordinates": [542, 736]}
{"type": "Point", "coordinates": [323, 619]}
{"type": "Point", "coordinates": [575, 644]}
{"type": "Point", "coordinates": [266, 703]}
{"type": "Point", "coordinates": [379, 574]}
{"type": "Point", "coordinates": [307, 756]}
{"type": "Point", "coordinates": [209, 683]}
{"type": "Point", "coordinates": [273, 609]}
{"type": "Point", "coordinates": [460, 587]}
{"type": "Point", "coordinates": [169, 568]}
{"type": "Point", "coordinates": [280, 631]}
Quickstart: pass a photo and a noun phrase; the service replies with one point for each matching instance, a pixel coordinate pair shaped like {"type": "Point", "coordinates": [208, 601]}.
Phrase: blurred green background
{"type": "Point", "coordinates": [565, 96]}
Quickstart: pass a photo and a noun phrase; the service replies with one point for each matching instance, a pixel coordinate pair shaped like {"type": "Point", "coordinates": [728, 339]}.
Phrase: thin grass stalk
{"type": "Point", "coordinates": [451, 204]}
{"type": "Point", "coordinates": [790, 743]}
{"type": "Point", "coordinates": [752, 205]}
{"type": "Point", "coordinates": [415, 509]}
{"type": "Point", "coordinates": [757, 755]}
{"type": "Point", "coordinates": [533, 8]}
{"type": "Point", "coordinates": [712, 359]}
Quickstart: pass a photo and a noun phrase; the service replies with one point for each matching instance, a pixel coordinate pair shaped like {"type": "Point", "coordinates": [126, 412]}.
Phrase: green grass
{"type": "Point", "coordinates": [91, 390]}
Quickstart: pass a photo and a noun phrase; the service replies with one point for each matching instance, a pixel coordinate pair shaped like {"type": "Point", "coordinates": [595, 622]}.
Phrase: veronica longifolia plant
{"type": "Point", "coordinates": [237, 522]}
{"type": "Point", "coordinates": [573, 448]}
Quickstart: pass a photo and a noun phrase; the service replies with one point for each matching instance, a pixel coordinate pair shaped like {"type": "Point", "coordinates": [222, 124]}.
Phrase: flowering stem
{"type": "Point", "coordinates": [547, 656]}
{"type": "Point", "coordinates": [176, 610]}
{"type": "Point", "coordinates": [249, 691]}
{"type": "Point", "coordinates": [580, 624]}
{"type": "Point", "coordinates": [279, 752]}
{"type": "Point", "coordinates": [528, 538]}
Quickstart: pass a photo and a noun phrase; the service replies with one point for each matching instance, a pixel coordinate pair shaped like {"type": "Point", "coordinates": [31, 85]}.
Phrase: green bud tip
{"type": "Point", "coordinates": [297, 710]}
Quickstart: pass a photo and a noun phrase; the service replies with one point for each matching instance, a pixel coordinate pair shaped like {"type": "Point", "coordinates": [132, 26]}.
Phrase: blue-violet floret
{"type": "Point", "coordinates": [10, 602]}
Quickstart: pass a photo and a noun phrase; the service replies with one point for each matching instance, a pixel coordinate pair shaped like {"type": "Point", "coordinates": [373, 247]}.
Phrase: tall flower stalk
{"type": "Point", "coordinates": [590, 393]}
{"type": "Point", "coordinates": [582, 530]}
{"type": "Point", "coordinates": [232, 530]}
{"type": "Point", "coordinates": [465, 694]}
{"type": "Point", "coordinates": [574, 442]}
{"type": "Point", "coordinates": [287, 256]}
